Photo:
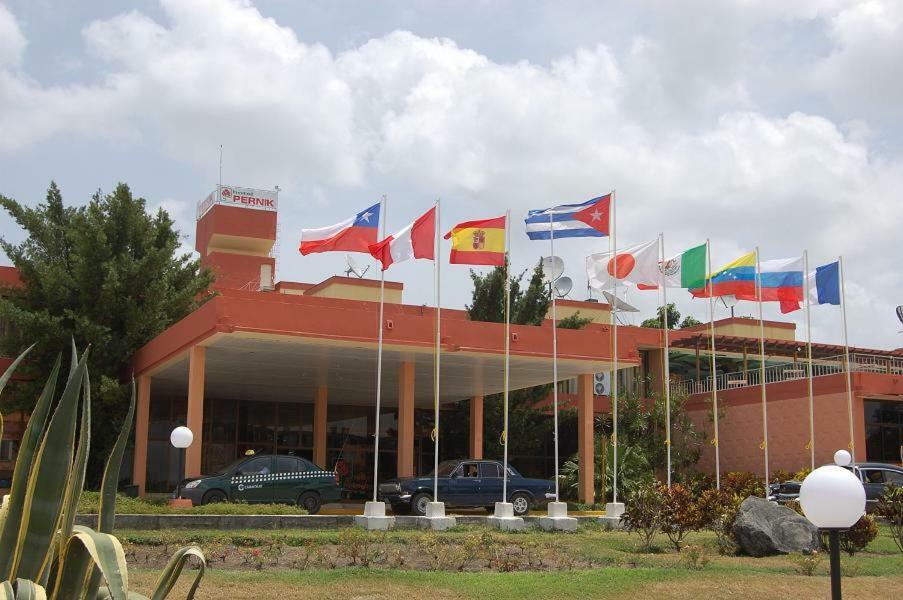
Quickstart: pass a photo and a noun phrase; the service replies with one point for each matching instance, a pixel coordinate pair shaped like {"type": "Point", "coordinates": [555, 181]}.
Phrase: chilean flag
{"type": "Point", "coordinates": [417, 240]}
{"type": "Point", "coordinates": [351, 235]}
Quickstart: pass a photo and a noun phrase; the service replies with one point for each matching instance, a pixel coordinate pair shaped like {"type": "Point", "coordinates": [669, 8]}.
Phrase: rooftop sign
{"type": "Point", "coordinates": [239, 196]}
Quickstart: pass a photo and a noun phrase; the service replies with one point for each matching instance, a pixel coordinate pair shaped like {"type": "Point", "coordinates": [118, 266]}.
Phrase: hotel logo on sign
{"type": "Point", "coordinates": [231, 195]}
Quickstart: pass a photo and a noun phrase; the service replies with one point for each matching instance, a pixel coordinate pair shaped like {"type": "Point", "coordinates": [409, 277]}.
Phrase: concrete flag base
{"type": "Point", "coordinates": [558, 519]}
{"type": "Point", "coordinates": [374, 517]}
{"type": "Point", "coordinates": [435, 518]}
{"type": "Point", "coordinates": [504, 519]}
{"type": "Point", "coordinates": [612, 518]}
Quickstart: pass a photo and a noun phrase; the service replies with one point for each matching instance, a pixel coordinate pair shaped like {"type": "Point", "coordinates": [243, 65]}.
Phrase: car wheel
{"type": "Point", "coordinates": [213, 496]}
{"type": "Point", "coordinates": [521, 504]}
{"type": "Point", "coordinates": [419, 502]}
{"type": "Point", "coordinates": [310, 501]}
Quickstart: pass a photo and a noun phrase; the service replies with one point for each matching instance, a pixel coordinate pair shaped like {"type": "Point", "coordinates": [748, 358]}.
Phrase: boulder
{"type": "Point", "coordinates": [763, 528]}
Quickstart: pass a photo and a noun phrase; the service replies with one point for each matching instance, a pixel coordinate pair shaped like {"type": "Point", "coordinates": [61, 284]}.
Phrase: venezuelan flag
{"type": "Point", "coordinates": [478, 242]}
{"type": "Point", "coordinates": [736, 278]}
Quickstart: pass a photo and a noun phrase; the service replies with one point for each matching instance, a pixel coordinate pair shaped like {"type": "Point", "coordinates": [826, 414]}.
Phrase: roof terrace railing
{"type": "Point", "coordinates": [789, 371]}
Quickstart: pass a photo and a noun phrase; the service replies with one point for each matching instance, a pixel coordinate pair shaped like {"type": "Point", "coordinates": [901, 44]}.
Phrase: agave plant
{"type": "Point", "coordinates": [43, 554]}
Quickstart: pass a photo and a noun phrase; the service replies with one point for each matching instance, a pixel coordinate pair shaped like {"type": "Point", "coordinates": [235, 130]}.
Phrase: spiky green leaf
{"type": "Point", "coordinates": [173, 569]}
{"type": "Point", "coordinates": [105, 551]}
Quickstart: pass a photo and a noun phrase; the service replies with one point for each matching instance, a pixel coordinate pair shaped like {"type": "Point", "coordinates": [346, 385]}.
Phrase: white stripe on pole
{"type": "Point", "coordinates": [846, 356]}
{"type": "Point", "coordinates": [379, 357]}
{"type": "Point", "coordinates": [614, 334]}
{"type": "Point", "coordinates": [437, 274]}
{"type": "Point", "coordinates": [666, 367]}
{"type": "Point", "coordinates": [715, 441]}
{"type": "Point", "coordinates": [554, 354]}
{"type": "Point", "coordinates": [507, 354]}
{"type": "Point", "coordinates": [811, 444]}
{"type": "Point", "coordinates": [764, 444]}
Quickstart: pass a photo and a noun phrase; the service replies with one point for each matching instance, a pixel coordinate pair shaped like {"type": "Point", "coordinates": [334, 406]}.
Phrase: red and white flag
{"type": "Point", "coordinates": [417, 240]}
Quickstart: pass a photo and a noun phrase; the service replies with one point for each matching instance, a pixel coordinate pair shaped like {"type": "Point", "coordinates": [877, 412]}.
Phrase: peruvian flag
{"type": "Point", "coordinates": [417, 240]}
{"type": "Point", "coordinates": [351, 235]}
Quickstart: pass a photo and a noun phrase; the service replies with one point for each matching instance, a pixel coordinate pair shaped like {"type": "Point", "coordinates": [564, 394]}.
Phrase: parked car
{"type": "Point", "coordinates": [875, 477]}
{"type": "Point", "coordinates": [467, 484]}
{"type": "Point", "coordinates": [266, 478]}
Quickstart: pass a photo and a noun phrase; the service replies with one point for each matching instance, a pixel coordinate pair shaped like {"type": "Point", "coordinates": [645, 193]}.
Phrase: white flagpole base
{"type": "Point", "coordinates": [558, 519]}
{"type": "Point", "coordinates": [504, 518]}
{"type": "Point", "coordinates": [374, 517]}
{"type": "Point", "coordinates": [436, 518]}
{"type": "Point", "coordinates": [612, 518]}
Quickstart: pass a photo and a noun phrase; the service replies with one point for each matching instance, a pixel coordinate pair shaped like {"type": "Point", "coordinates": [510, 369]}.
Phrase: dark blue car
{"type": "Point", "coordinates": [467, 484]}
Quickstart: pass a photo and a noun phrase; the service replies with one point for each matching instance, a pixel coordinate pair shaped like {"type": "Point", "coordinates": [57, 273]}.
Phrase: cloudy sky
{"type": "Point", "coordinates": [750, 122]}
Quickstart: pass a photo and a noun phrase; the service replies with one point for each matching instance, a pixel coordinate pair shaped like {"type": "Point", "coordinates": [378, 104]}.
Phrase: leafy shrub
{"type": "Point", "coordinates": [695, 557]}
{"type": "Point", "coordinates": [89, 502]}
{"type": "Point", "coordinates": [680, 514]}
{"type": "Point", "coordinates": [743, 484]}
{"type": "Point", "coordinates": [359, 546]}
{"type": "Point", "coordinates": [890, 507]}
{"type": "Point", "coordinates": [806, 564]}
{"type": "Point", "coordinates": [643, 513]}
{"type": "Point", "coordinates": [718, 510]}
{"type": "Point", "coordinates": [857, 537]}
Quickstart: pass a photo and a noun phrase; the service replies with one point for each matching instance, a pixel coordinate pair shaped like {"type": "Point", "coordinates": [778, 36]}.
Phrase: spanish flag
{"type": "Point", "coordinates": [478, 242]}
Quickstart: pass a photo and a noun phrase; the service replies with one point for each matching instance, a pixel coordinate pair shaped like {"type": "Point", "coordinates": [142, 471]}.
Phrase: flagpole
{"type": "Point", "coordinates": [437, 274]}
{"type": "Point", "coordinates": [846, 358]}
{"type": "Point", "coordinates": [711, 286]}
{"type": "Point", "coordinates": [379, 355]}
{"type": "Point", "coordinates": [764, 444]}
{"type": "Point", "coordinates": [665, 359]}
{"type": "Point", "coordinates": [554, 350]}
{"type": "Point", "coordinates": [507, 355]}
{"type": "Point", "coordinates": [811, 444]}
{"type": "Point", "coordinates": [614, 334]}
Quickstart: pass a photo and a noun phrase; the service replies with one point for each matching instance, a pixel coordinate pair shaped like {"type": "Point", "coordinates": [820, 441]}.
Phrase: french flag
{"type": "Point", "coordinates": [417, 240]}
{"type": "Point", "coordinates": [351, 235]}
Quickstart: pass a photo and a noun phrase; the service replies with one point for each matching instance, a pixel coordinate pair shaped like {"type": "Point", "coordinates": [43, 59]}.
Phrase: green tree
{"type": "Point", "coordinates": [106, 274]}
{"type": "Point", "coordinates": [656, 322]}
{"type": "Point", "coordinates": [689, 321]}
{"type": "Point", "coordinates": [574, 321]}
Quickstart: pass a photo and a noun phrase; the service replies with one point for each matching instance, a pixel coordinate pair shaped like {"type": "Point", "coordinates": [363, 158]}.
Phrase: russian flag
{"type": "Point", "coordinates": [588, 219]}
{"type": "Point", "coordinates": [417, 240]}
{"type": "Point", "coordinates": [351, 235]}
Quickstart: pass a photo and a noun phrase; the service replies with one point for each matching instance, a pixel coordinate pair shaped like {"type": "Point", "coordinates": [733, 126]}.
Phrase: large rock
{"type": "Point", "coordinates": [763, 528]}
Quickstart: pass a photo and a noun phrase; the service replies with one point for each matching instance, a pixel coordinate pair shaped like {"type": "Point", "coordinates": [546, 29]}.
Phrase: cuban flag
{"type": "Point", "coordinates": [351, 235]}
{"type": "Point", "coordinates": [824, 284]}
{"type": "Point", "coordinates": [589, 219]}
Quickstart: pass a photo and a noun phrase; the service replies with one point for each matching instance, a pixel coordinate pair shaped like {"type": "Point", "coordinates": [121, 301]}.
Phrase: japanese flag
{"type": "Point", "coordinates": [637, 266]}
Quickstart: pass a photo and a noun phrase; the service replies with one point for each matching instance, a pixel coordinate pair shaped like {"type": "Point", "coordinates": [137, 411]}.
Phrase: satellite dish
{"type": "Point", "coordinates": [729, 301]}
{"type": "Point", "coordinates": [900, 313]}
{"type": "Point", "coordinates": [619, 305]}
{"type": "Point", "coordinates": [552, 268]}
{"type": "Point", "coordinates": [562, 286]}
{"type": "Point", "coordinates": [354, 268]}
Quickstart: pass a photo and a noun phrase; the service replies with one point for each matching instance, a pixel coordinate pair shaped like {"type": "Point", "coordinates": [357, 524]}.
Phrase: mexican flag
{"type": "Point", "coordinates": [687, 269]}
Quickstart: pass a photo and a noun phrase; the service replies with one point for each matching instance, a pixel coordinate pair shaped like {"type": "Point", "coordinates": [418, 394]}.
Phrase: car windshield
{"type": "Point", "coordinates": [231, 467]}
{"type": "Point", "coordinates": [446, 468]}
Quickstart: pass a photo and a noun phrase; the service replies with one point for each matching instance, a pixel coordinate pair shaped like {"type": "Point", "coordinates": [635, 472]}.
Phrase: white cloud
{"type": "Point", "coordinates": [12, 42]}
{"type": "Point", "coordinates": [675, 124]}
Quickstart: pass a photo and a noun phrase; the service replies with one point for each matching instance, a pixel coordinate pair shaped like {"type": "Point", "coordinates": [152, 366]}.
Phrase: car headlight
{"type": "Point", "coordinates": [192, 484]}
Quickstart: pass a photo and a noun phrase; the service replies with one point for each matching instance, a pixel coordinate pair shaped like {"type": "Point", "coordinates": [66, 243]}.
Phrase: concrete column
{"type": "Point", "coordinates": [142, 416]}
{"type": "Point", "coordinates": [585, 450]}
{"type": "Point", "coordinates": [196, 360]}
{"type": "Point", "coordinates": [406, 419]}
{"type": "Point", "coordinates": [476, 427]}
{"type": "Point", "coordinates": [320, 426]}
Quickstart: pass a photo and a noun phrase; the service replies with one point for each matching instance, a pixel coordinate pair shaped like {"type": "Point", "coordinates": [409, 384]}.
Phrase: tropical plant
{"type": "Point", "coordinates": [43, 554]}
{"type": "Point", "coordinates": [643, 513]}
{"type": "Point", "coordinates": [743, 484]}
{"type": "Point", "coordinates": [857, 537]}
{"type": "Point", "coordinates": [890, 507]}
{"type": "Point", "coordinates": [718, 510]}
{"type": "Point", "coordinates": [680, 513]}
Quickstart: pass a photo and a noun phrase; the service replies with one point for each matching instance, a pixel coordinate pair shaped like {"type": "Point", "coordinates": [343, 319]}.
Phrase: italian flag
{"type": "Point", "coordinates": [687, 269]}
{"type": "Point", "coordinates": [417, 240]}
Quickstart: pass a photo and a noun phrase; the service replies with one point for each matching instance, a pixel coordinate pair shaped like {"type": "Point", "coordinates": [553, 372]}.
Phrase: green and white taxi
{"type": "Point", "coordinates": [265, 478]}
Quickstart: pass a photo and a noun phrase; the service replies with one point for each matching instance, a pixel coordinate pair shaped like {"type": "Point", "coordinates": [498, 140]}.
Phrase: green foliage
{"type": "Point", "coordinates": [857, 537]}
{"type": "Point", "coordinates": [743, 484]}
{"type": "Point", "coordinates": [90, 501]}
{"type": "Point", "coordinates": [574, 321]}
{"type": "Point", "coordinates": [42, 554]}
{"type": "Point", "coordinates": [806, 564]}
{"type": "Point", "coordinates": [718, 509]}
{"type": "Point", "coordinates": [680, 513]}
{"type": "Point", "coordinates": [657, 321]}
{"type": "Point", "coordinates": [689, 321]}
{"type": "Point", "coordinates": [695, 557]}
{"type": "Point", "coordinates": [528, 306]}
{"type": "Point", "coordinates": [106, 274]}
{"type": "Point", "coordinates": [890, 507]}
{"type": "Point", "coordinates": [643, 513]}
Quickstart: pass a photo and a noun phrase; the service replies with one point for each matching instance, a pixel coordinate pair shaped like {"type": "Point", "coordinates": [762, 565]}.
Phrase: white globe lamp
{"type": "Point", "coordinates": [181, 437]}
{"type": "Point", "coordinates": [833, 498]}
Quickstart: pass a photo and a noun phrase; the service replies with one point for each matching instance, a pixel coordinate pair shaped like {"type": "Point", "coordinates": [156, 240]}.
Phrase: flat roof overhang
{"type": "Point", "coordinates": [270, 346]}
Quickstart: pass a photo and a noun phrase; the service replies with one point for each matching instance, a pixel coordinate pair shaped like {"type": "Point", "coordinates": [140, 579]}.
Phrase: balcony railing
{"type": "Point", "coordinates": [790, 371]}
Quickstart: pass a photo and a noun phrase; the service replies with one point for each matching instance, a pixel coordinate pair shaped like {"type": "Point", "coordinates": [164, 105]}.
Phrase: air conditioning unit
{"type": "Point", "coordinates": [601, 384]}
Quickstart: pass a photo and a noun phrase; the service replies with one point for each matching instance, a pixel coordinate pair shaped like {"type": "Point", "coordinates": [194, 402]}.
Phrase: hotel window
{"type": "Point", "coordinates": [884, 430]}
{"type": "Point", "coordinates": [9, 449]}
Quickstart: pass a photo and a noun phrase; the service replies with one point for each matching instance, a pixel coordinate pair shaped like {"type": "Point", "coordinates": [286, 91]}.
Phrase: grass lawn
{"type": "Point", "coordinates": [591, 563]}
